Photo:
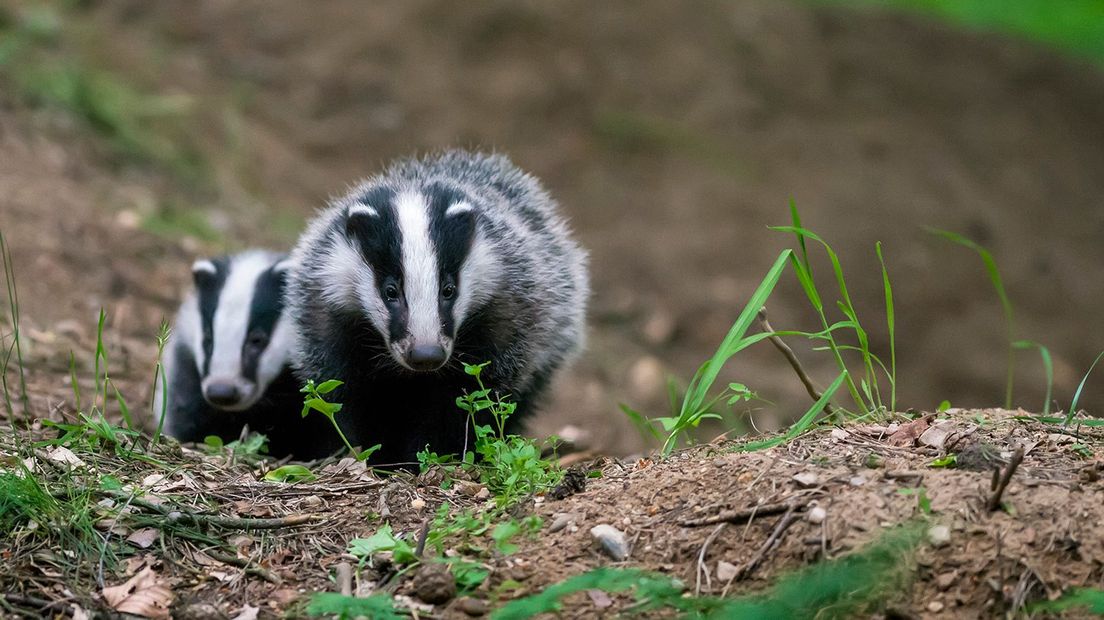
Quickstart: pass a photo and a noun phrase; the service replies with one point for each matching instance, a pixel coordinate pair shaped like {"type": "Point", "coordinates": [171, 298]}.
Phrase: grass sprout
{"type": "Point", "coordinates": [1006, 304]}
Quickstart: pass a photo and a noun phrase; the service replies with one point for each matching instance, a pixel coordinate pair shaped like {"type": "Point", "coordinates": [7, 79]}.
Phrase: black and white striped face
{"type": "Point", "coordinates": [243, 343]}
{"type": "Point", "coordinates": [414, 263]}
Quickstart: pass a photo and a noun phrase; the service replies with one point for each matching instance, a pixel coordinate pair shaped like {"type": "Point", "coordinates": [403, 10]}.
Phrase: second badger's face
{"type": "Point", "coordinates": [415, 264]}
{"type": "Point", "coordinates": [243, 341]}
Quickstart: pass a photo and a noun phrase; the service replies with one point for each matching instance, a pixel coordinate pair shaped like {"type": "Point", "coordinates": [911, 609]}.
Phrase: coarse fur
{"type": "Point", "coordinates": [227, 360]}
{"type": "Point", "coordinates": [455, 258]}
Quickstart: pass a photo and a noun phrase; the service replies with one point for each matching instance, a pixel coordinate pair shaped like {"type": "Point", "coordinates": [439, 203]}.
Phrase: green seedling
{"type": "Point", "coordinates": [384, 540]}
{"type": "Point", "coordinates": [315, 400]}
{"type": "Point", "coordinates": [290, 474]}
{"type": "Point", "coordinates": [378, 606]}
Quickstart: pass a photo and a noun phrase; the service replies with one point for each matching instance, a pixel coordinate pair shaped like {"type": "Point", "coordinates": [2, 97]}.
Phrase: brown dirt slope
{"type": "Point", "coordinates": [844, 488]}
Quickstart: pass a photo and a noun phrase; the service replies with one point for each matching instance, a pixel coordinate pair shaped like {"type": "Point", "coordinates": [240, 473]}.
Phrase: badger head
{"type": "Point", "coordinates": [415, 264]}
{"type": "Point", "coordinates": [243, 342]}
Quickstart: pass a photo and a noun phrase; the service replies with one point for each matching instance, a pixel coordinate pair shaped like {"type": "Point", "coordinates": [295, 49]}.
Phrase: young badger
{"type": "Point", "coordinates": [457, 258]}
{"type": "Point", "coordinates": [226, 362]}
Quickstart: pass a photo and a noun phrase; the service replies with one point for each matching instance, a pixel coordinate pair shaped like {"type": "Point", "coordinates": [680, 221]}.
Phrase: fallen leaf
{"type": "Point", "coordinates": [142, 595]}
{"type": "Point", "coordinates": [248, 612]}
{"type": "Point", "coordinates": [143, 538]}
{"type": "Point", "coordinates": [64, 455]}
{"type": "Point", "coordinates": [600, 599]}
{"type": "Point", "coordinates": [937, 435]}
{"type": "Point", "coordinates": [907, 434]}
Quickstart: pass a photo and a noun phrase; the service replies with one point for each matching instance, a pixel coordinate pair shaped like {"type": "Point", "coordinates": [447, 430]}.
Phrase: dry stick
{"type": "Point", "coordinates": [1005, 478]}
{"type": "Point", "coordinates": [772, 541]}
{"type": "Point", "coordinates": [247, 566]}
{"type": "Point", "coordinates": [701, 560]}
{"type": "Point", "coordinates": [237, 523]}
{"type": "Point", "coordinates": [786, 351]}
{"type": "Point", "coordinates": [422, 535]}
{"type": "Point", "coordinates": [739, 516]}
{"type": "Point", "coordinates": [345, 578]}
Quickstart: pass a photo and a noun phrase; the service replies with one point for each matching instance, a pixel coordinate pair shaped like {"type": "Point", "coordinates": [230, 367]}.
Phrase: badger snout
{"type": "Point", "coordinates": [228, 393]}
{"type": "Point", "coordinates": [425, 357]}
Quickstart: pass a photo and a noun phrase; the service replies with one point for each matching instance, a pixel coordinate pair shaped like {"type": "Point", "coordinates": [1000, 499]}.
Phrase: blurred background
{"type": "Point", "coordinates": [135, 136]}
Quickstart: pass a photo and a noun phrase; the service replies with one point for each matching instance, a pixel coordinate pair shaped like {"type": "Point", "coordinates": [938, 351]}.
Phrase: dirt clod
{"type": "Point", "coordinates": [574, 481]}
{"type": "Point", "coordinates": [434, 584]}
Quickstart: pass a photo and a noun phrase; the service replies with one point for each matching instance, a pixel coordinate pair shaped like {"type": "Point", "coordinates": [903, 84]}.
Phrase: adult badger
{"type": "Point", "coordinates": [226, 362]}
{"type": "Point", "coordinates": [456, 258]}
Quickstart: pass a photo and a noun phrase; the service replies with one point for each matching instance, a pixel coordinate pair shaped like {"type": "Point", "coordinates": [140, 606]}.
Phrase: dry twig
{"type": "Point", "coordinates": [1006, 476]}
{"type": "Point", "coordinates": [234, 523]}
{"type": "Point", "coordinates": [770, 544]}
{"type": "Point", "coordinates": [739, 516]}
{"type": "Point", "coordinates": [788, 353]}
{"type": "Point", "coordinates": [702, 569]}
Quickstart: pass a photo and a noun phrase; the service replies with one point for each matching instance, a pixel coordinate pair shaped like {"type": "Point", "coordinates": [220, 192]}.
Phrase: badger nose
{"type": "Point", "coordinates": [222, 394]}
{"type": "Point", "coordinates": [426, 357]}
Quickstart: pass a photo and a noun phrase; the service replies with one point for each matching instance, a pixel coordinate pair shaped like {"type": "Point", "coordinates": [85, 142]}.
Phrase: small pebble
{"type": "Point", "coordinates": [472, 606]}
{"type": "Point", "coordinates": [857, 481]}
{"type": "Point", "coordinates": [559, 522]}
{"type": "Point", "coordinates": [935, 607]}
{"type": "Point", "coordinates": [611, 541]}
{"type": "Point", "coordinates": [726, 571]}
{"type": "Point", "coordinates": [946, 580]}
{"type": "Point", "coordinates": [805, 479]}
{"type": "Point", "coordinates": [417, 503]}
{"type": "Point", "coordinates": [817, 515]}
{"type": "Point", "coordinates": [939, 535]}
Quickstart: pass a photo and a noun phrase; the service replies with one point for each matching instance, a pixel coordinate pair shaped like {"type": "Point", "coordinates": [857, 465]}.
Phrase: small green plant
{"type": "Point", "coordinates": [383, 540]}
{"type": "Point", "coordinates": [1087, 599]}
{"type": "Point", "coordinates": [505, 531]}
{"type": "Point", "coordinates": [1006, 304]}
{"type": "Point", "coordinates": [250, 448]}
{"type": "Point", "coordinates": [1081, 386]}
{"type": "Point", "coordinates": [16, 347]}
{"type": "Point", "coordinates": [379, 606]}
{"type": "Point", "coordinates": [315, 400]}
{"type": "Point", "coordinates": [290, 473]}
{"type": "Point", "coordinates": [511, 465]}
{"type": "Point", "coordinates": [923, 503]}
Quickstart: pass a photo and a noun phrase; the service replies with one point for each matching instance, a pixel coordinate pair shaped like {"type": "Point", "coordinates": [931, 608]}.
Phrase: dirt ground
{"type": "Point", "coordinates": [673, 134]}
{"type": "Point", "coordinates": [826, 494]}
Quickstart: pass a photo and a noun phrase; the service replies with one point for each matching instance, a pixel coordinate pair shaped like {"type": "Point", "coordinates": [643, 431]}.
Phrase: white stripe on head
{"type": "Point", "coordinates": [419, 269]}
{"type": "Point", "coordinates": [231, 319]}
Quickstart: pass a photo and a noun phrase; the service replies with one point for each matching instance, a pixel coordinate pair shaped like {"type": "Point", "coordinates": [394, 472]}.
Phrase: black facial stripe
{"type": "Point", "coordinates": [264, 312]}
{"type": "Point", "coordinates": [379, 240]}
{"type": "Point", "coordinates": [208, 289]}
{"type": "Point", "coordinates": [452, 237]}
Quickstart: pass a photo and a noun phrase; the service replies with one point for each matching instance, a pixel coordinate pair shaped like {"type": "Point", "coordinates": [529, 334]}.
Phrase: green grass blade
{"type": "Point", "coordinates": [1006, 303]}
{"type": "Point", "coordinates": [1048, 368]}
{"type": "Point", "coordinates": [891, 325]}
{"type": "Point", "coordinates": [100, 362]}
{"type": "Point", "coordinates": [73, 380]}
{"type": "Point", "coordinates": [13, 309]}
{"type": "Point", "coordinates": [708, 374]}
{"type": "Point", "coordinates": [1077, 395]}
{"type": "Point", "coordinates": [159, 376]}
{"type": "Point", "coordinates": [802, 424]}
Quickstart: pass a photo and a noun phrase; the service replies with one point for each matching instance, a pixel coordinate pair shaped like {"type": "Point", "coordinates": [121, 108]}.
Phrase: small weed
{"type": "Point", "coordinates": [16, 346]}
{"type": "Point", "coordinates": [923, 503]}
{"type": "Point", "coordinates": [948, 461]}
{"type": "Point", "coordinates": [384, 540]}
{"type": "Point", "coordinates": [511, 465]}
{"type": "Point", "coordinates": [1088, 599]}
{"type": "Point", "coordinates": [315, 400]}
{"type": "Point", "coordinates": [379, 606]}
{"type": "Point", "coordinates": [1081, 386]}
{"type": "Point", "coordinates": [1006, 304]}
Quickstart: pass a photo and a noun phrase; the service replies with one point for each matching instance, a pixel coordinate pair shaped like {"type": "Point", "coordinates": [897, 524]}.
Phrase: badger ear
{"type": "Point", "coordinates": [282, 266]}
{"type": "Point", "coordinates": [203, 271]}
{"type": "Point", "coordinates": [360, 218]}
{"type": "Point", "coordinates": [459, 208]}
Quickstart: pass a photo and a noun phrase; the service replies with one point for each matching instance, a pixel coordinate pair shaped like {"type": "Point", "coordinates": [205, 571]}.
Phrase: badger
{"type": "Point", "coordinates": [457, 258]}
{"type": "Point", "coordinates": [226, 364]}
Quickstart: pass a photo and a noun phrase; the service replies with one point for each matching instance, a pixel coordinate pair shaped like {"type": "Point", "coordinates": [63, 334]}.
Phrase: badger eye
{"type": "Point", "coordinates": [257, 340]}
{"type": "Point", "coordinates": [391, 292]}
{"type": "Point", "coordinates": [448, 291]}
